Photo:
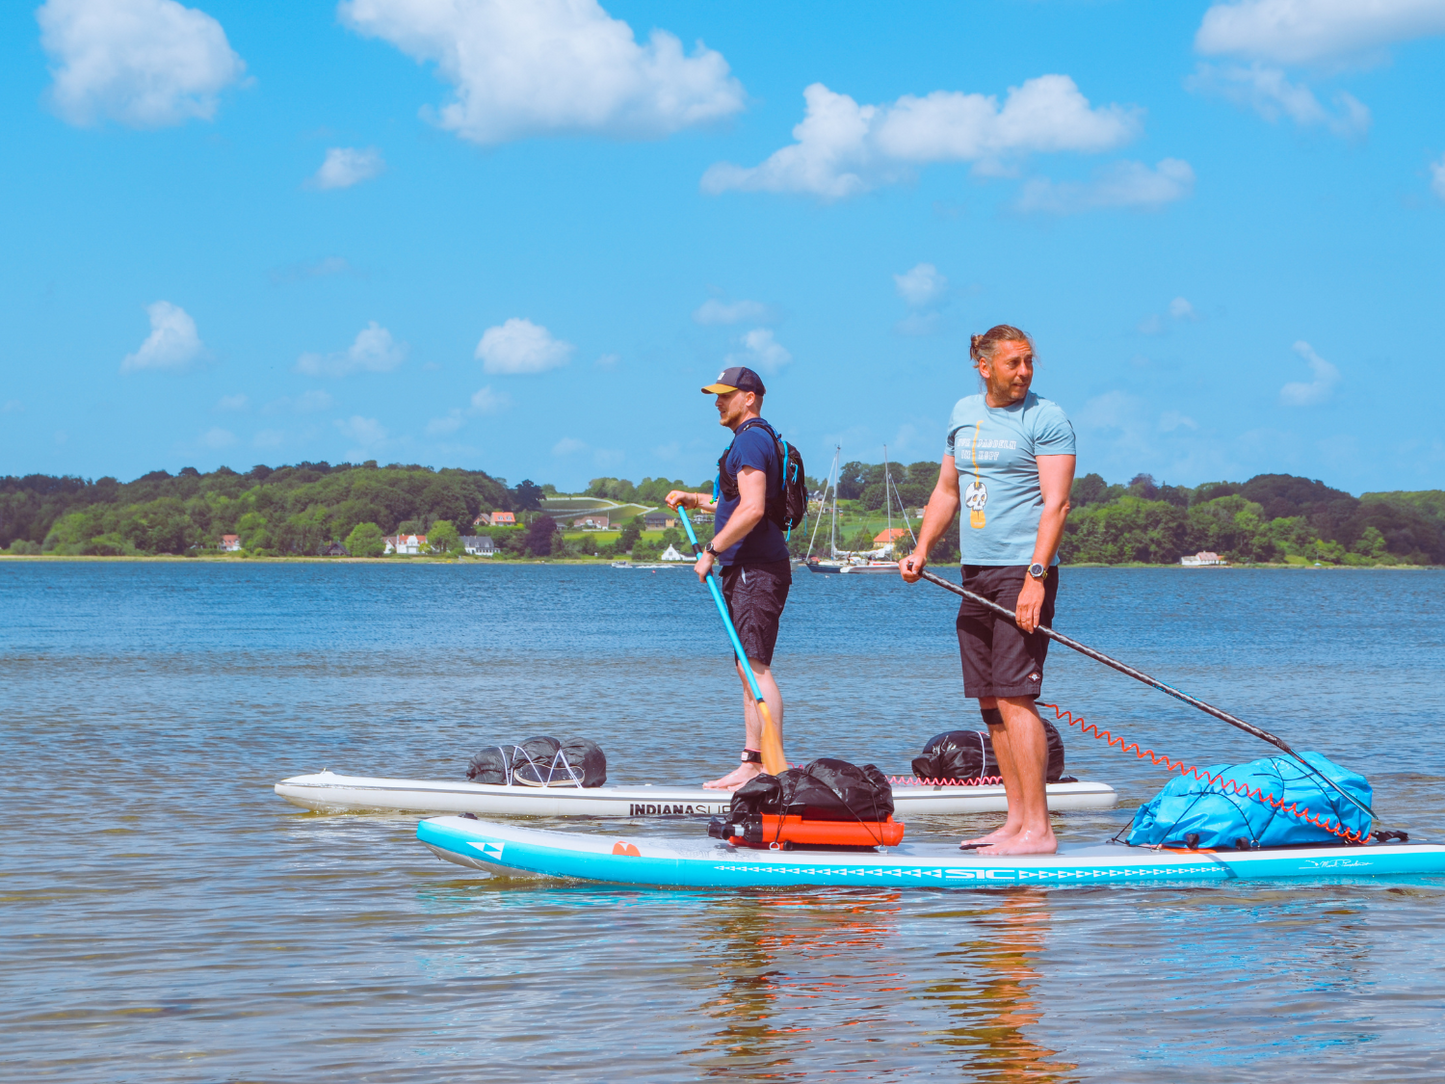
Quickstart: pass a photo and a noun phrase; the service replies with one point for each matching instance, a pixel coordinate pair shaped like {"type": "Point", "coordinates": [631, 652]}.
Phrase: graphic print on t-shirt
{"type": "Point", "coordinates": [976, 495]}
{"type": "Point", "coordinates": [974, 498]}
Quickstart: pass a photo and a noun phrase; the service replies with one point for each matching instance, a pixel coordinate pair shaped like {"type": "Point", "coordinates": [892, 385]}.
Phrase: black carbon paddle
{"type": "Point", "coordinates": [1154, 683]}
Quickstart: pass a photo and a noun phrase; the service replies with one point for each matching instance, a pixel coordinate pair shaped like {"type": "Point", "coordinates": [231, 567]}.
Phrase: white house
{"type": "Point", "coordinates": [230, 543]}
{"type": "Point", "coordinates": [405, 543]}
{"type": "Point", "coordinates": [479, 545]}
{"type": "Point", "coordinates": [671, 554]}
{"type": "Point", "coordinates": [1203, 557]}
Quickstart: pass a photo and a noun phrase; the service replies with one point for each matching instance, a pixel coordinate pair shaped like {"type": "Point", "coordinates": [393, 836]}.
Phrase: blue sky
{"type": "Point", "coordinates": [518, 237]}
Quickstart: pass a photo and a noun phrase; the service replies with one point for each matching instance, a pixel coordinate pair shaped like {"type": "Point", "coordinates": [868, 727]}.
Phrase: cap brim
{"type": "Point", "coordinates": [718, 389]}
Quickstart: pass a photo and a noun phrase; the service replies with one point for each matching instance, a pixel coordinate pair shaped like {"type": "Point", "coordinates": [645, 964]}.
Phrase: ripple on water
{"type": "Point", "coordinates": [169, 919]}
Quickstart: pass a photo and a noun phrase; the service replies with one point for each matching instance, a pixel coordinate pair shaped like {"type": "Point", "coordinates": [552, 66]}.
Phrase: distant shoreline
{"type": "Point", "coordinates": [574, 562]}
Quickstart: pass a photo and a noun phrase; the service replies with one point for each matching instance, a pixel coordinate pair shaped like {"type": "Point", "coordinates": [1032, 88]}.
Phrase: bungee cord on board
{"type": "Point", "coordinates": [1224, 785]}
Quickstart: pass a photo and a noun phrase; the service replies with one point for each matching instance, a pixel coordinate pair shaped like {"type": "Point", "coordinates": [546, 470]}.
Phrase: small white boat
{"type": "Point", "coordinates": [864, 567]}
{"type": "Point", "coordinates": [326, 792]}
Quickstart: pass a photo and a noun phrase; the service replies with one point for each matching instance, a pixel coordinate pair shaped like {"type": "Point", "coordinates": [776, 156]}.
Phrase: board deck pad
{"type": "Point", "coordinates": [681, 861]}
{"type": "Point", "coordinates": [328, 793]}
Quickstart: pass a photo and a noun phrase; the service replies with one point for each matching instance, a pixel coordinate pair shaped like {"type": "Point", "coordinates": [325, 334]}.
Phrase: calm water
{"type": "Point", "coordinates": [167, 918]}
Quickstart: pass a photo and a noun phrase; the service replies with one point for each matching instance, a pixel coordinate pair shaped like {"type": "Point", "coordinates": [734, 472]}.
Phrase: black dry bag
{"type": "Point", "coordinates": [967, 756]}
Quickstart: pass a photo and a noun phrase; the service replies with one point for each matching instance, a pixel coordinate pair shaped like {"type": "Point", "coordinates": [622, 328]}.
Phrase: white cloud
{"type": "Point", "coordinates": [269, 439]}
{"type": "Point", "coordinates": [920, 284]}
{"type": "Point", "coordinates": [1171, 420]}
{"type": "Point", "coordinates": [218, 438]}
{"type": "Point", "coordinates": [307, 403]}
{"type": "Point", "coordinates": [1326, 376]}
{"type": "Point", "coordinates": [12, 406]}
{"type": "Point", "coordinates": [373, 351]}
{"type": "Point", "coordinates": [1123, 184]}
{"type": "Point", "coordinates": [714, 311]}
{"type": "Point", "coordinates": [760, 351]}
{"type": "Point", "coordinates": [608, 361]}
{"type": "Point", "coordinates": [487, 401]}
{"type": "Point", "coordinates": [551, 67]}
{"type": "Point", "coordinates": [1437, 178]}
{"type": "Point", "coordinates": [569, 446]}
{"type": "Point", "coordinates": [1179, 309]}
{"type": "Point", "coordinates": [331, 265]}
{"type": "Point", "coordinates": [918, 323]}
{"type": "Point", "coordinates": [232, 402]}
{"type": "Point", "coordinates": [1304, 31]}
{"type": "Point", "coordinates": [346, 166]}
{"type": "Point", "coordinates": [520, 346]}
{"type": "Point", "coordinates": [144, 63]}
{"type": "Point", "coordinates": [843, 148]}
{"type": "Point", "coordinates": [367, 432]}
{"type": "Point", "coordinates": [1269, 93]}
{"type": "Point", "coordinates": [450, 423]}
{"type": "Point", "coordinates": [172, 344]}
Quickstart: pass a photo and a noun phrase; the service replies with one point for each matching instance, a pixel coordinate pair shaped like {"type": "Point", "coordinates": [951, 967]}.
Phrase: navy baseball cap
{"type": "Point", "coordinates": [737, 378]}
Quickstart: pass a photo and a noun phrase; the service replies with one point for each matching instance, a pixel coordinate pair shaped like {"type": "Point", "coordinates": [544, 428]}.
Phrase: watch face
{"type": "Point", "coordinates": [1036, 570]}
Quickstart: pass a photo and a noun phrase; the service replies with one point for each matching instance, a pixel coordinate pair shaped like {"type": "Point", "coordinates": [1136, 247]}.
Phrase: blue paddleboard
{"type": "Point", "coordinates": [700, 862]}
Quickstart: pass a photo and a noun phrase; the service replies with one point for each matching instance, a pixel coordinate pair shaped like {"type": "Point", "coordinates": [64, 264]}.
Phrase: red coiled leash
{"type": "Point", "coordinates": [1258, 794]}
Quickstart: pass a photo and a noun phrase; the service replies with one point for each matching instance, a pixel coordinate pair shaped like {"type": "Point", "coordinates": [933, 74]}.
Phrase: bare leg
{"type": "Point", "coordinates": [1023, 762]}
{"type": "Point", "coordinates": [753, 724]}
{"type": "Point", "coordinates": [998, 738]}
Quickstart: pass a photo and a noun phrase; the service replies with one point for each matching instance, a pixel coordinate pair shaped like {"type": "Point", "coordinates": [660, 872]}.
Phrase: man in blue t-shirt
{"type": "Point", "coordinates": [1009, 458]}
{"type": "Point", "coordinates": [749, 545]}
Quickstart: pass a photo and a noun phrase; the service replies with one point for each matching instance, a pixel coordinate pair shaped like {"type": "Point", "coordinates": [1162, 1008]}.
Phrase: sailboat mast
{"type": "Point", "coordinates": [887, 499]}
{"type": "Point", "coordinates": [837, 476]}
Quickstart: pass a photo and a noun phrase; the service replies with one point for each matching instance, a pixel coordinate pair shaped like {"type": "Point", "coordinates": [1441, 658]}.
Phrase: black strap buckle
{"type": "Point", "coordinates": [752, 756]}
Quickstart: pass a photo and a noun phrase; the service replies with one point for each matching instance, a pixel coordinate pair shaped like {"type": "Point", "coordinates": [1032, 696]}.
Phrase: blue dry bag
{"type": "Point", "coordinates": [1224, 817]}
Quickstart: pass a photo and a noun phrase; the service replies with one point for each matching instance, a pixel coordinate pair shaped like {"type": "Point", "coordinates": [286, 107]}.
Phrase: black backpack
{"type": "Point", "coordinates": [788, 507]}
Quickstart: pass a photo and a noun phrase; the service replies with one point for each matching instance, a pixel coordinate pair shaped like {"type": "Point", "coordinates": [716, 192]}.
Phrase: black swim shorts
{"type": "Point", "coordinates": [756, 595]}
{"type": "Point", "coordinates": [998, 659]}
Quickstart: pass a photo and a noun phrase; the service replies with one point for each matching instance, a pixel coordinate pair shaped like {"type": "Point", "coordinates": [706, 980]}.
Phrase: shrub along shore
{"type": "Point", "coordinates": [301, 511]}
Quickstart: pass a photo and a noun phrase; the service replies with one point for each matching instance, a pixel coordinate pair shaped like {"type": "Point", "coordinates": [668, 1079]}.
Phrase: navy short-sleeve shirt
{"type": "Point", "coordinates": [754, 447]}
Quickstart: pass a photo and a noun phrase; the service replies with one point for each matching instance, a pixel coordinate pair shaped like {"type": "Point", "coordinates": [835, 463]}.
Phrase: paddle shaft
{"type": "Point", "coordinates": [1153, 683]}
{"type": "Point", "coordinates": [772, 741]}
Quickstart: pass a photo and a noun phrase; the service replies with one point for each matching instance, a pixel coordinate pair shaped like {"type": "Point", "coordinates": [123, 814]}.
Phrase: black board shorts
{"type": "Point", "coordinates": [756, 595]}
{"type": "Point", "coordinates": [998, 659]}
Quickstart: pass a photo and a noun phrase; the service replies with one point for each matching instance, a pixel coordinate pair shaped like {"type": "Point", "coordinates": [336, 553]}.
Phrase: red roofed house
{"type": "Point", "coordinates": [887, 537]}
{"type": "Point", "coordinates": [230, 543]}
{"type": "Point", "coordinates": [503, 519]}
{"type": "Point", "coordinates": [404, 543]}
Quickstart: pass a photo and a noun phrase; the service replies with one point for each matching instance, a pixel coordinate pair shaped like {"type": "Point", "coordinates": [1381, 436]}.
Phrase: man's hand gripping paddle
{"type": "Point", "coordinates": [1153, 683]}
{"type": "Point", "coordinates": [772, 743]}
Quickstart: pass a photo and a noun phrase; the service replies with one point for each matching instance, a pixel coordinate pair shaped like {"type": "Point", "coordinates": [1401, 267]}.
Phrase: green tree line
{"type": "Point", "coordinates": [304, 508]}
{"type": "Point", "coordinates": [289, 510]}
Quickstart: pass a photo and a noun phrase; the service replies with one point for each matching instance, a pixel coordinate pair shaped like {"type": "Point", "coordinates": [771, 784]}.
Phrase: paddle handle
{"type": "Point", "coordinates": [772, 741]}
{"type": "Point", "coordinates": [1153, 683]}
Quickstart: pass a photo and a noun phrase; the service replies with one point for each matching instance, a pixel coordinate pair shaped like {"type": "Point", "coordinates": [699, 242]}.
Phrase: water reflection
{"type": "Point", "coordinates": [796, 979]}
{"type": "Point", "coordinates": [990, 990]}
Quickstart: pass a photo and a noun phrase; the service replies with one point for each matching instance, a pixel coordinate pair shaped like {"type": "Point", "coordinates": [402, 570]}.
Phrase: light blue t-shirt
{"type": "Point", "coordinates": [994, 449]}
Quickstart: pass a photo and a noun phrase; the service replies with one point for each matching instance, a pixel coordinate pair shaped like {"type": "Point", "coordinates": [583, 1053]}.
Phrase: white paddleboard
{"type": "Point", "coordinates": [329, 793]}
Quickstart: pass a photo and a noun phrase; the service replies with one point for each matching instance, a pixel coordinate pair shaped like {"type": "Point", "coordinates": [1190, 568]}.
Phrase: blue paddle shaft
{"type": "Point", "coordinates": [722, 609]}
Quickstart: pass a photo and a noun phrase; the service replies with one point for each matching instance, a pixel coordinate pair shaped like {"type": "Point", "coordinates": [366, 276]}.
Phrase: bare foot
{"type": "Point", "coordinates": [1030, 841]}
{"type": "Point", "coordinates": [998, 835]}
{"type": "Point", "coordinates": [735, 778]}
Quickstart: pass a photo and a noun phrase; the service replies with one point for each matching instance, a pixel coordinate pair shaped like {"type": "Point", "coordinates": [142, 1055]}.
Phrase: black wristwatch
{"type": "Point", "coordinates": [708, 549]}
{"type": "Point", "coordinates": [1038, 571]}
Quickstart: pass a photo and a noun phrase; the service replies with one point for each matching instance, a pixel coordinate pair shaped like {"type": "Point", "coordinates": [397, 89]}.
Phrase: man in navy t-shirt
{"type": "Point", "coordinates": [750, 547]}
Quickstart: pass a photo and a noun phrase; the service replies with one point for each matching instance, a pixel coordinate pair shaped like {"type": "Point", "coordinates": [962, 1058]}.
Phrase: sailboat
{"type": "Point", "coordinates": [817, 564]}
{"type": "Point", "coordinates": [874, 563]}
{"type": "Point", "coordinates": [844, 561]}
